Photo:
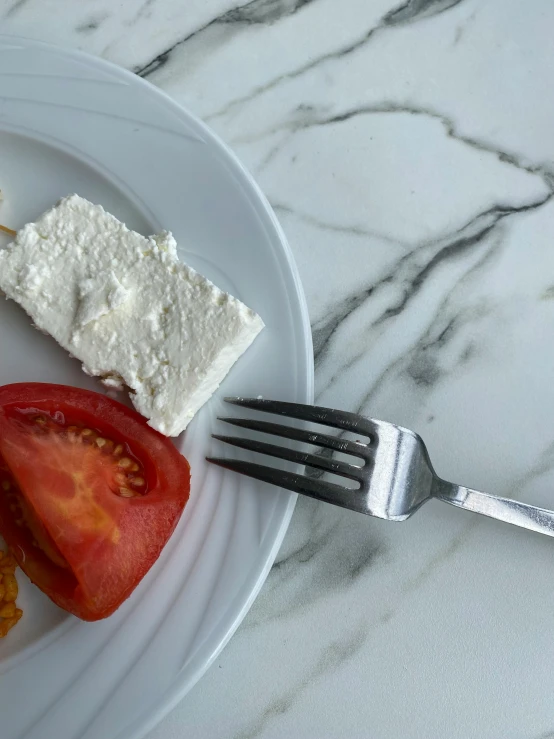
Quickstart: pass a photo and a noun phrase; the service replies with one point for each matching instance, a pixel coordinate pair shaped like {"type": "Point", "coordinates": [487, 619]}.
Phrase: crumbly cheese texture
{"type": "Point", "coordinates": [128, 309]}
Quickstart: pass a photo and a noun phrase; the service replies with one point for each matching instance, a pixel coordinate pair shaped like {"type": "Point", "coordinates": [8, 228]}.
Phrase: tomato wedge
{"type": "Point", "coordinates": [89, 493]}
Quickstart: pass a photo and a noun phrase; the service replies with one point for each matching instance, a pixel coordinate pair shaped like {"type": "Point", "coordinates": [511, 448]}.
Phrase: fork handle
{"type": "Point", "coordinates": [527, 516]}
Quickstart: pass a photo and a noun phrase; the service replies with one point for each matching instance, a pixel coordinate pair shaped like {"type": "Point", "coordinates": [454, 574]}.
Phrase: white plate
{"type": "Point", "coordinates": [72, 123]}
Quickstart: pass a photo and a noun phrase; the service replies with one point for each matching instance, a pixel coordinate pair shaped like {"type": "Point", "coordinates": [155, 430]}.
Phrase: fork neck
{"type": "Point", "coordinates": [511, 511]}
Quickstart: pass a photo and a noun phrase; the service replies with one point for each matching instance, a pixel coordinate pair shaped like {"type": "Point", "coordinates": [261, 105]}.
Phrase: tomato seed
{"type": "Point", "coordinates": [137, 481]}
{"type": "Point", "coordinates": [127, 493]}
{"type": "Point", "coordinates": [125, 462]}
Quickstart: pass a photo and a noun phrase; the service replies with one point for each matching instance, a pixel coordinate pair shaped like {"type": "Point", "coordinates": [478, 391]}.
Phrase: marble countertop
{"type": "Point", "coordinates": [408, 150]}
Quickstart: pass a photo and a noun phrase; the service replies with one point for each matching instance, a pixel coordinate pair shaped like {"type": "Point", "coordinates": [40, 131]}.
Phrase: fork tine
{"type": "Point", "coordinates": [291, 455]}
{"type": "Point", "coordinates": [309, 437]}
{"type": "Point", "coordinates": [328, 492]}
{"type": "Point", "coordinates": [313, 413]}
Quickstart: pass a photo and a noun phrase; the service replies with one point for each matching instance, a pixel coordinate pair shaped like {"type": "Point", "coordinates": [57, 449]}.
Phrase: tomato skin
{"type": "Point", "coordinates": [108, 542]}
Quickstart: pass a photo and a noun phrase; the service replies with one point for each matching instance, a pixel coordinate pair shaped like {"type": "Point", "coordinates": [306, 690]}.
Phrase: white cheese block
{"type": "Point", "coordinates": [128, 309]}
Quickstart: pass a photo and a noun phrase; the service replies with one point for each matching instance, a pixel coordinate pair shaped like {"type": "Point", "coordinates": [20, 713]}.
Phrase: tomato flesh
{"type": "Point", "coordinates": [89, 493]}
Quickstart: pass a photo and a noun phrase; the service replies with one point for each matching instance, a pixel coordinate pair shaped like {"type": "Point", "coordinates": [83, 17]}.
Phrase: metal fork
{"type": "Point", "coordinates": [394, 475]}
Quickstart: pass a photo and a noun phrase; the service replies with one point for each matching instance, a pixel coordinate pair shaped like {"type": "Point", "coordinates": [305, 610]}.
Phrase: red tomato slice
{"type": "Point", "coordinates": [89, 494]}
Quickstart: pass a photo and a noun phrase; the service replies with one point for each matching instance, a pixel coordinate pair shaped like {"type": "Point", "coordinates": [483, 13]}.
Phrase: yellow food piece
{"type": "Point", "coordinates": [8, 623]}
{"type": "Point", "coordinates": [7, 565]}
{"type": "Point", "coordinates": [10, 583]}
{"type": "Point", "coordinates": [9, 612]}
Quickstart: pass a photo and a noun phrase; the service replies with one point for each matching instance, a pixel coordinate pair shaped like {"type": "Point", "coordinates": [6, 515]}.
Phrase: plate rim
{"type": "Point", "coordinates": [259, 572]}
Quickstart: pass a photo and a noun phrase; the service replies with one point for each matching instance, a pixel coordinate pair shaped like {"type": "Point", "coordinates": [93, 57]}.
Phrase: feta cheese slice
{"type": "Point", "coordinates": [98, 296]}
{"type": "Point", "coordinates": [127, 308]}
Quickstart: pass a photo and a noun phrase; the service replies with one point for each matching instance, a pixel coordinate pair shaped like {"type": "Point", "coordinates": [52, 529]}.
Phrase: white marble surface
{"type": "Point", "coordinates": [408, 151]}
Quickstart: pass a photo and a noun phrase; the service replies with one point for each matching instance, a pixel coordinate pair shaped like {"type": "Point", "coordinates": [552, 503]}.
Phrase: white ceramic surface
{"type": "Point", "coordinates": [407, 147]}
{"type": "Point", "coordinates": [71, 123]}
